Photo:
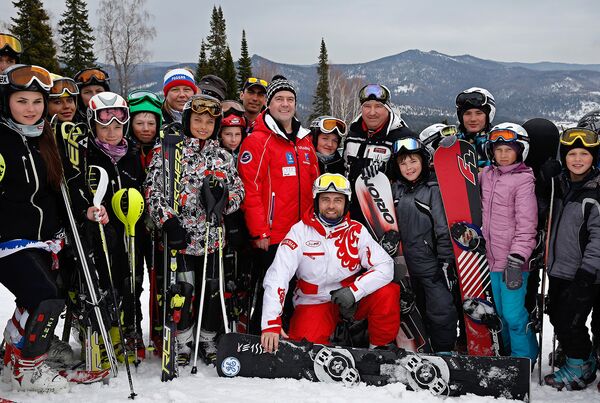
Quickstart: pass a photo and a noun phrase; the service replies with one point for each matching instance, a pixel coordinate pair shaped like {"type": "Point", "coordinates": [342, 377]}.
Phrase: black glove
{"type": "Point", "coordinates": [214, 196]}
{"type": "Point", "coordinates": [513, 272]}
{"type": "Point", "coordinates": [579, 291]}
{"type": "Point", "coordinates": [345, 299]}
{"type": "Point", "coordinates": [177, 236]}
{"type": "Point", "coordinates": [550, 169]}
{"type": "Point", "coordinates": [390, 241]}
{"type": "Point", "coordinates": [449, 272]}
{"type": "Point", "coordinates": [370, 171]}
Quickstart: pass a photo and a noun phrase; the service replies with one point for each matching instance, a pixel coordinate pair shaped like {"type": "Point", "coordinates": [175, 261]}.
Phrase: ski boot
{"type": "Point", "coordinates": [134, 343]}
{"type": "Point", "coordinates": [207, 346]}
{"type": "Point", "coordinates": [557, 359]}
{"type": "Point", "coordinates": [32, 374]}
{"type": "Point", "coordinates": [576, 374]}
{"type": "Point", "coordinates": [184, 341]}
{"type": "Point", "coordinates": [60, 354]}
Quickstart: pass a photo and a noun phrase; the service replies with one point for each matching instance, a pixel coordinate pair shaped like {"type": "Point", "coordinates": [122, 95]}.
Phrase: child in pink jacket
{"type": "Point", "coordinates": [509, 210]}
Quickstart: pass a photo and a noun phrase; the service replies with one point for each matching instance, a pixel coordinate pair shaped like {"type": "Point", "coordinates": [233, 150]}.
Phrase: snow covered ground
{"type": "Point", "coordinates": [206, 386]}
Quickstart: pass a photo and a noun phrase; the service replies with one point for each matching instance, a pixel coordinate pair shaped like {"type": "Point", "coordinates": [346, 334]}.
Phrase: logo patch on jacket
{"type": "Point", "coordinates": [312, 244]}
{"type": "Point", "coordinates": [289, 243]}
{"type": "Point", "coordinates": [288, 171]}
{"type": "Point", "coordinates": [306, 158]}
{"type": "Point", "coordinates": [289, 157]}
{"type": "Point", "coordinates": [246, 157]}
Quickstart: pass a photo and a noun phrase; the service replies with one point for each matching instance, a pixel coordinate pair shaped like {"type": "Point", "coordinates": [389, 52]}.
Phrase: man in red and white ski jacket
{"type": "Point", "coordinates": [325, 259]}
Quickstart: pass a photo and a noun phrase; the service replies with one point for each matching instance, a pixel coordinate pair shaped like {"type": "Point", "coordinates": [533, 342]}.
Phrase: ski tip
{"type": "Point", "coordinates": [448, 142]}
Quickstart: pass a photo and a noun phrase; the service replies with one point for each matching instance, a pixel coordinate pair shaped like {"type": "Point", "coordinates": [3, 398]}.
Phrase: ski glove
{"type": "Point", "coordinates": [370, 171]}
{"type": "Point", "coordinates": [390, 241]}
{"type": "Point", "coordinates": [214, 196]}
{"type": "Point", "coordinates": [513, 272]}
{"type": "Point", "coordinates": [579, 292]}
{"type": "Point", "coordinates": [550, 169]}
{"type": "Point", "coordinates": [345, 299]}
{"type": "Point", "coordinates": [177, 236]}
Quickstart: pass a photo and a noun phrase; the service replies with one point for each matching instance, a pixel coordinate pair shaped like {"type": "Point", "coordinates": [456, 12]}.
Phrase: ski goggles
{"type": "Point", "coordinates": [406, 144]}
{"type": "Point", "coordinates": [329, 125]}
{"type": "Point", "coordinates": [90, 75]}
{"type": "Point", "coordinates": [502, 135]}
{"type": "Point", "coordinates": [107, 115]}
{"type": "Point", "coordinates": [10, 42]}
{"type": "Point", "coordinates": [588, 137]}
{"type": "Point", "coordinates": [448, 131]}
{"type": "Point", "coordinates": [255, 81]}
{"type": "Point", "coordinates": [476, 99]}
{"type": "Point", "coordinates": [24, 76]}
{"type": "Point", "coordinates": [375, 92]}
{"type": "Point", "coordinates": [200, 104]}
{"type": "Point", "coordinates": [232, 108]}
{"type": "Point", "coordinates": [64, 87]}
{"type": "Point", "coordinates": [336, 182]}
{"type": "Point", "coordinates": [141, 96]}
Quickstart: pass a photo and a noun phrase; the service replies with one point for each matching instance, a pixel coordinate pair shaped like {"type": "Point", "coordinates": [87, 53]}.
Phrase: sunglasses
{"type": "Point", "coordinates": [89, 75]}
{"type": "Point", "coordinates": [12, 42]}
{"type": "Point", "coordinates": [108, 115]}
{"type": "Point", "coordinates": [330, 124]}
{"type": "Point", "coordinates": [502, 135]}
{"type": "Point", "coordinates": [408, 144]}
{"type": "Point", "coordinates": [200, 105]}
{"type": "Point", "coordinates": [23, 76]}
{"type": "Point", "coordinates": [253, 80]}
{"type": "Point", "coordinates": [589, 138]}
{"type": "Point", "coordinates": [64, 87]}
{"type": "Point", "coordinates": [374, 92]}
{"type": "Point", "coordinates": [141, 96]}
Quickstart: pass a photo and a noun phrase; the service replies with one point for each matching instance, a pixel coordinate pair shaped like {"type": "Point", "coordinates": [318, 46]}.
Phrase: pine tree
{"type": "Point", "coordinates": [32, 27]}
{"type": "Point", "coordinates": [321, 103]}
{"type": "Point", "coordinates": [202, 69]}
{"type": "Point", "coordinates": [76, 38]}
{"type": "Point", "coordinates": [244, 63]}
{"type": "Point", "coordinates": [229, 76]}
{"type": "Point", "coordinates": [217, 42]}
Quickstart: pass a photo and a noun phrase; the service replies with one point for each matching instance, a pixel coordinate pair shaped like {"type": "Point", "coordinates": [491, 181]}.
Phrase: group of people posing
{"type": "Point", "coordinates": [298, 255]}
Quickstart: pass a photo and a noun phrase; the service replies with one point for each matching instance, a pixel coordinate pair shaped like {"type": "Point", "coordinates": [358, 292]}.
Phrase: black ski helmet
{"type": "Point", "coordinates": [36, 78]}
{"type": "Point", "coordinates": [201, 103]}
{"type": "Point", "coordinates": [404, 146]}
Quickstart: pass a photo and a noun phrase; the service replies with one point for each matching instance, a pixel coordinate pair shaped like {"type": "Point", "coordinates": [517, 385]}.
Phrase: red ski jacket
{"type": "Point", "coordinates": [278, 175]}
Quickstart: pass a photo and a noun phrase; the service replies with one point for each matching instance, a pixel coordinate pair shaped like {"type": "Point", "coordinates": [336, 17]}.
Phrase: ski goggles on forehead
{"type": "Point", "coordinates": [11, 42]}
{"type": "Point", "coordinates": [108, 115]}
{"type": "Point", "coordinates": [374, 92]}
{"type": "Point", "coordinates": [23, 76]}
{"type": "Point", "coordinates": [339, 182]}
{"type": "Point", "coordinates": [502, 135]}
{"type": "Point", "coordinates": [86, 76]}
{"type": "Point", "coordinates": [476, 99]}
{"type": "Point", "coordinates": [448, 131]}
{"type": "Point", "coordinates": [200, 105]}
{"type": "Point", "coordinates": [329, 125]}
{"type": "Point", "coordinates": [589, 138]}
{"type": "Point", "coordinates": [137, 97]}
{"type": "Point", "coordinates": [232, 108]}
{"type": "Point", "coordinates": [408, 144]}
{"type": "Point", "coordinates": [64, 87]}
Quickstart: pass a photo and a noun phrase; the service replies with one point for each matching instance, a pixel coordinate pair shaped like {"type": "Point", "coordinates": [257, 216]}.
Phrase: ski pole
{"type": "Point", "coordinates": [98, 182]}
{"type": "Point", "coordinates": [222, 281]}
{"type": "Point", "coordinates": [128, 205]}
{"type": "Point", "coordinates": [201, 307]}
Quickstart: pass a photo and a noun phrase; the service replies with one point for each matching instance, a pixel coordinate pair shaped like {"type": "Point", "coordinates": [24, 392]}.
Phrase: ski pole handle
{"type": "Point", "coordinates": [128, 205]}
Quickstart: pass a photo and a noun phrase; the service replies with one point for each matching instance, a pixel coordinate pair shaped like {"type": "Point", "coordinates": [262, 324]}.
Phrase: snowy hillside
{"type": "Point", "coordinates": [206, 386]}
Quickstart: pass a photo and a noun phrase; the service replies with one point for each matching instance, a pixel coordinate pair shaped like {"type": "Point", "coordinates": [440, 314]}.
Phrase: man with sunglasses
{"type": "Point", "coordinates": [254, 98]}
{"type": "Point", "coordinates": [10, 51]}
{"type": "Point", "coordinates": [326, 251]}
{"type": "Point", "coordinates": [278, 165]}
{"type": "Point", "coordinates": [368, 145]}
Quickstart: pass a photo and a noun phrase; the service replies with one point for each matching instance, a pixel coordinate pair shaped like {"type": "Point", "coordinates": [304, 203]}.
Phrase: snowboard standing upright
{"type": "Point", "coordinates": [456, 168]}
{"type": "Point", "coordinates": [448, 375]}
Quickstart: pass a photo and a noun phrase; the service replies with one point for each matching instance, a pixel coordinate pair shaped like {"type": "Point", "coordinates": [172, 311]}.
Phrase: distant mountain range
{"type": "Point", "coordinates": [424, 84]}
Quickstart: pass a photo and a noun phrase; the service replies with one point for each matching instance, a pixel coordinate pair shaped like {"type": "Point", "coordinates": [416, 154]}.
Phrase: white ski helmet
{"type": "Point", "coordinates": [106, 107]}
{"type": "Point", "coordinates": [507, 132]}
{"type": "Point", "coordinates": [431, 135]}
{"type": "Point", "coordinates": [476, 97]}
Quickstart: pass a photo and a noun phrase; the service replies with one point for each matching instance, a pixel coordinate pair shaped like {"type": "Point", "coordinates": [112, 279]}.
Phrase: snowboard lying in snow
{"type": "Point", "coordinates": [448, 375]}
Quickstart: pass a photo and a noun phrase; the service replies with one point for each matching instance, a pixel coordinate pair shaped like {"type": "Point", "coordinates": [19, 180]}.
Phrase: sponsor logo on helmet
{"type": "Point", "coordinates": [289, 243]}
{"type": "Point", "coordinates": [246, 157]}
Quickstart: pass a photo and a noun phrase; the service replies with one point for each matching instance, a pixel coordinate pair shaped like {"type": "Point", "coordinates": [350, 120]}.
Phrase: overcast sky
{"type": "Point", "coordinates": [357, 30]}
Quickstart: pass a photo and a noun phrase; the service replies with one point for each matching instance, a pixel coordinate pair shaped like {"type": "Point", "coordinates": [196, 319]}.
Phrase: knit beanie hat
{"type": "Point", "coordinates": [279, 83]}
{"type": "Point", "coordinates": [177, 77]}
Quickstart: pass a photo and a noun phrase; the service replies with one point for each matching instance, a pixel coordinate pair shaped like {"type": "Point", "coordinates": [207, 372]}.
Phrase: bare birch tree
{"type": "Point", "coordinates": [343, 94]}
{"type": "Point", "coordinates": [124, 32]}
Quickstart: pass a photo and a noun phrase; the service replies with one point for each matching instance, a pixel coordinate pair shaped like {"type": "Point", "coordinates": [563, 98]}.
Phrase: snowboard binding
{"type": "Point", "coordinates": [481, 311]}
{"type": "Point", "coordinates": [336, 366]}
{"type": "Point", "coordinates": [427, 375]}
{"type": "Point", "coordinates": [468, 237]}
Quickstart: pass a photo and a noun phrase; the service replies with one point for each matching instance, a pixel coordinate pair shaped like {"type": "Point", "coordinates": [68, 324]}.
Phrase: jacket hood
{"type": "Point", "coordinates": [395, 121]}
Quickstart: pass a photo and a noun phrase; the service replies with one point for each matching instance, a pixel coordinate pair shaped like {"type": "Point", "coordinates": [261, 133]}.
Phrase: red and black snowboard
{"type": "Point", "coordinates": [377, 205]}
{"type": "Point", "coordinates": [456, 168]}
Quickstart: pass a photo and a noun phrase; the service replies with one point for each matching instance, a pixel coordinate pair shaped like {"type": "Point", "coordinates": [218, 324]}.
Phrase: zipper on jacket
{"type": "Point", "coordinates": [24, 159]}
{"type": "Point", "coordinates": [37, 186]}
{"type": "Point", "coordinates": [272, 208]}
{"type": "Point", "coordinates": [299, 185]}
